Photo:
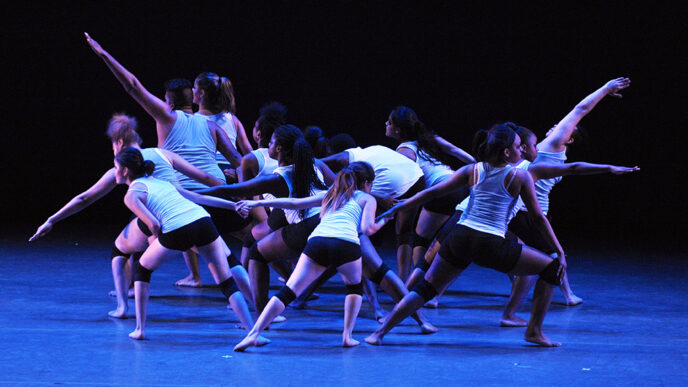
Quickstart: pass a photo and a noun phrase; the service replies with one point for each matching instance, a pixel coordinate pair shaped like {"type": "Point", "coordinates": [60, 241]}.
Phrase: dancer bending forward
{"type": "Point", "coordinates": [479, 235]}
{"type": "Point", "coordinates": [347, 209]}
{"type": "Point", "coordinates": [179, 225]}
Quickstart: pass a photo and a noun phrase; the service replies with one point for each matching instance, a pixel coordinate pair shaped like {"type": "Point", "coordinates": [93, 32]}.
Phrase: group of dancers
{"type": "Point", "coordinates": [306, 206]}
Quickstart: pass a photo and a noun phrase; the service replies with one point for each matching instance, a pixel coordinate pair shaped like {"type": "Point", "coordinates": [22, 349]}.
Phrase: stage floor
{"type": "Point", "coordinates": [631, 329]}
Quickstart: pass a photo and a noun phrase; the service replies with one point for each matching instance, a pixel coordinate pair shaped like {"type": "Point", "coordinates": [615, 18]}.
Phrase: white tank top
{"type": "Point", "coordinates": [266, 164]}
{"type": "Point", "coordinates": [163, 166]}
{"type": "Point", "coordinates": [433, 169]}
{"type": "Point", "coordinates": [490, 203]}
{"type": "Point", "coordinates": [293, 216]}
{"type": "Point", "coordinates": [226, 122]}
{"type": "Point", "coordinates": [544, 186]}
{"type": "Point", "coordinates": [168, 206]}
{"type": "Point", "coordinates": [394, 172]}
{"type": "Point", "coordinates": [190, 138]}
{"type": "Point", "coordinates": [344, 224]}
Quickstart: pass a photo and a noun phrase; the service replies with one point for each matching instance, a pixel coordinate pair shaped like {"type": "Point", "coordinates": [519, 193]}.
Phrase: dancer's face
{"type": "Point", "coordinates": [513, 152]}
{"type": "Point", "coordinates": [256, 133]}
{"type": "Point", "coordinates": [273, 148]}
{"type": "Point", "coordinates": [196, 93]}
{"type": "Point", "coordinates": [120, 173]}
{"type": "Point", "coordinates": [391, 130]}
{"type": "Point", "coordinates": [529, 148]}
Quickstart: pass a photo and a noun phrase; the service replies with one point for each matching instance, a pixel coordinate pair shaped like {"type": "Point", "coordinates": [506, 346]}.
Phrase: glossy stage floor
{"type": "Point", "coordinates": [55, 330]}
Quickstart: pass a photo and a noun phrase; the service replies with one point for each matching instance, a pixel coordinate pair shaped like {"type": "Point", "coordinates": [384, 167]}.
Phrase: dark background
{"type": "Point", "coordinates": [344, 66]}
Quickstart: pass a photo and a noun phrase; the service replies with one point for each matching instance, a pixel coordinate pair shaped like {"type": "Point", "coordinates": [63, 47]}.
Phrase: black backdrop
{"type": "Point", "coordinates": [344, 66]}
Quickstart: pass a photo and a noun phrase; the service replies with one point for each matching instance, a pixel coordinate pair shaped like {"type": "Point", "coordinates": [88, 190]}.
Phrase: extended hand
{"type": "Point", "coordinates": [243, 207]}
{"type": "Point", "coordinates": [42, 230]}
{"type": "Point", "coordinates": [94, 45]}
{"type": "Point", "coordinates": [622, 170]}
{"type": "Point", "coordinates": [615, 85]}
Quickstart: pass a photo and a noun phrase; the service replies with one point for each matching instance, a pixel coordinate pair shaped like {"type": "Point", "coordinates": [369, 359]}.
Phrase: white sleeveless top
{"type": "Point", "coordinates": [344, 224]}
{"type": "Point", "coordinates": [190, 138]}
{"type": "Point", "coordinates": [163, 166]}
{"type": "Point", "coordinates": [544, 186]}
{"type": "Point", "coordinates": [293, 216]}
{"type": "Point", "coordinates": [169, 207]}
{"type": "Point", "coordinates": [394, 172]}
{"type": "Point", "coordinates": [490, 203]}
{"type": "Point", "coordinates": [266, 164]}
{"type": "Point", "coordinates": [226, 122]}
{"type": "Point", "coordinates": [433, 169]}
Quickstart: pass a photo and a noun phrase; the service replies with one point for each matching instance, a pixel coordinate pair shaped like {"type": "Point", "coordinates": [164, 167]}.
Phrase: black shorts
{"type": "Point", "coordinates": [446, 204]}
{"type": "Point", "coordinates": [332, 251]}
{"type": "Point", "coordinates": [277, 219]}
{"type": "Point", "coordinates": [143, 227]}
{"type": "Point", "coordinates": [415, 188]}
{"type": "Point", "coordinates": [465, 245]}
{"type": "Point", "coordinates": [448, 226]}
{"type": "Point", "coordinates": [522, 225]}
{"type": "Point", "coordinates": [296, 235]}
{"type": "Point", "coordinates": [225, 220]}
{"type": "Point", "coordinates": [197, 233]}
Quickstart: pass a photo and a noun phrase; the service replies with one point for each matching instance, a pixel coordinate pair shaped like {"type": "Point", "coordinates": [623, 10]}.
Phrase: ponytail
{"type": "Point", "coordinates": [219, 92]}
{"type": "Point", "coordinates": [348, 180]}
{"type": "Point", "coordinates": [132, 159]}
{"type": "Point", "coordinates": [489, 145]}
{"type": "Point", "coordinates": [411, 128]}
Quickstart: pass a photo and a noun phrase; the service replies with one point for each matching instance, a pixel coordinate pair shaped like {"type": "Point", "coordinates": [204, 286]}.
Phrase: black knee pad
{"type": "Point", "coordinates": [379, 274]}
{"type": "Point", "coordinates": [117, 253]}
{"type": "Point", "coordinates": [228, 287]}
{"type": "Point", "coordinates": [137, 255]}
{"type": "Point", "coordinates": [255, 254]}
{"type": "Point", "coordinates": [355, 289]}
{"type": "Point", "coordinates": [286, 295]}
{"type": "Point", "coordinates": [425, 290]}
{"type": "Point", "coordinates": [405, 238]}
{"type": "Point", "coordinates": [419, 241]}
{"type": "Point", "coordinates": [232, 261]}
{"type": "Point", "coordinates": [423, 265]}
{"type": "Point", "coordinates": [249, 240]}
{"type": "Point", "coordinates": [141, 273]}
{"type": "Point", "coordinates": [552, 273]}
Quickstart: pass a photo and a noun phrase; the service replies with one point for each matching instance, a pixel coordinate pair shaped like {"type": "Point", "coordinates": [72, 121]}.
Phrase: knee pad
{"type": "Point", "coordinates": [286, 295]}
{"type": "Point", "coordinates": [232, 261]}
{"type": "Point", "coordinates": [425, 290]}
{"type": "Point", "coordinates": [379, 274]}
{"type": "Point", "coordinates": [255, 254]}
{"type": "Point", "coordinates": [423, 265]}
{"type": "Point", "coordinates": [249, 240]}
{"type": "Point", "coordinates": [355, 289]}
{"type": "Point", "coordinates": [552, 273]}
{"type": "Point", "coordinates": [137, 255]}
{"type": "Point", "coordinates": [228, 287]}
{"type": "Point", "coordinates": [117, 253]}
{"type": "Point", "coordinates": [405, 238]}
{"type": "Point", "coordinates": [419, 241]}
{"type": "Point", "coordinates": [141, 273]}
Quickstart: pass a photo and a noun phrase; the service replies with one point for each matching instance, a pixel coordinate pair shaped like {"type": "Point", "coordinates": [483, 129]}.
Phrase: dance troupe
{"type": "Point", "coordinates": [306, 206]}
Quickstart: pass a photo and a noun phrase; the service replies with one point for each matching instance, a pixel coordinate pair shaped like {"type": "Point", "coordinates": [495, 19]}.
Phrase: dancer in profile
{"type": "Point", "coordinates": [347, 209]}
{"type": "Point", "coordinates": [480, 234]}
{"type": "Point", "coordinates": [177, 225]}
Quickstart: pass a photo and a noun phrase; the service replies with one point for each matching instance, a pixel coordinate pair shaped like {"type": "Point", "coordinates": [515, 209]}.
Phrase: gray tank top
{"type": "Point", "coordinates": [544, 186]}
{"type": "Point", "coordinates": [163, 167]}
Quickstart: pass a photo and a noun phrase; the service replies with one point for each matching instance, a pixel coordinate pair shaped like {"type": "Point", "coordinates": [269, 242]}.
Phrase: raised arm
{"type": "Point", "coordinates": [549, 171]}
{"type": "Point", "coordinates": [153, 105]}
{"type": "Point", "coordinates": [337, 161]}
{"type": "Point", "coordinates": [454, 151]}
{"type": "Point", "coordinates": [273, 184]}
{"type": "Point", "coordinates": [189, 170]}
{"type": "Point", "coordinates": [527, 192]}
{"type": "Point", "coordinates": [561, 133]}
{"type": "Point", "coordinates": [135, 200]}
{"type": "Point", "coordinates": [101, 188]}
{"type": "Point", "coordinates": [242, 139]}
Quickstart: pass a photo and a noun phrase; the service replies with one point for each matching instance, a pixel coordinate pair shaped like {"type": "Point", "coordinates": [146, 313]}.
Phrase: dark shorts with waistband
{"type": "Point", "coordinates": [296, 235]}
{"type": "Point", "coordinates": [522, 225]}
{"type": "Point", "coordinates": [465, 245]}
{"type": "Point", "coordinates": [226, 221]}
{"type": "Point", "coordinates": [332, 251]}
{"type": "Point", "coordinates": [197, 233]}
{"type": "Point", "coordinates": [277, 219]}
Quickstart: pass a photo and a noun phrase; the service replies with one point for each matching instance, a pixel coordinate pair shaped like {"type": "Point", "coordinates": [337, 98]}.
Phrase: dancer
{"type": "Point", "coordinates": [178, 225]}
{"type": "Point", "coordinates": [122, 131]}
{"type": "Point", "coordinates": [347, 209]}
{"type": "Point", "coordinates": [480, 234]}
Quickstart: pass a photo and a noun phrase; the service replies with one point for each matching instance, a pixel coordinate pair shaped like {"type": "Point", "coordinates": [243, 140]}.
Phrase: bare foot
{"type": "Point", "coordinates": [137, 334]}
{"type": "Point", "coordinates": [514, 321]}
{"type": "Point", "coordinates": [349, 342]}
{"type": "Point", "coordinates": [118, 313]}
{"type": "Point", "coordinates": [433, 304]}
{"type": "Point", "coordinates": [189, 281]}
{"type": "Point", "coordinates": [380, 316]}
{"type": "Point", "coordinates": [427, 328]}
{"type": "Point", "coordinates": [279, 319]}
{"type": "Point", "coordinates": [574, 300]}
{"type": "Point", "coordinates": [251, 341]}
{"type": "Point", "coordinates": [374, 339]}
{"type": "Point", "coordinates": [541, 339]}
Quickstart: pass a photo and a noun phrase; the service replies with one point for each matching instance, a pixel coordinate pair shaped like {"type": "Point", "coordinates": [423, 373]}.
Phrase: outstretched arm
{"type": "Point", "coordinates": [101, 188]}
{"type": "Point", "coordinates": [337, 161]}
{"type": "Point", "coordinates": [153, 105]}
{"type": "Point", "coordinates": [328, 175]}
{"type": "Point", "coordinates": [561, 133]}
{"type": "Point", "coordinates": [549, 171]}
{"type": "Point", "coordinates": [189, 170]}
{"type": "Point", "coordinates": [454, 151]}
{"type": "Point", "coordinates": [273, 184]}
{"type": "Point", "coordinates": [287, 203]}
{"type": "Point", "coordinates": [206, 200]}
